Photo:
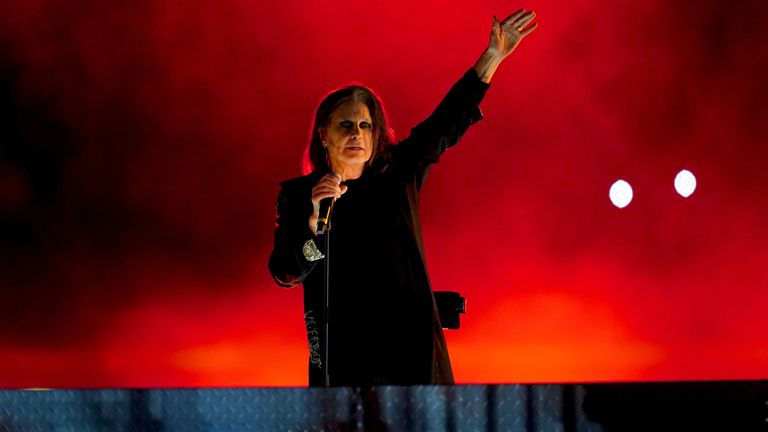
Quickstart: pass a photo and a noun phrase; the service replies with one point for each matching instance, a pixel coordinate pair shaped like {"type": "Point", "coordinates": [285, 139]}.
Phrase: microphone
{"type": "Point", "coordinates": [324, 219]}
{"type": "Point", "coordinates": [324, 216]}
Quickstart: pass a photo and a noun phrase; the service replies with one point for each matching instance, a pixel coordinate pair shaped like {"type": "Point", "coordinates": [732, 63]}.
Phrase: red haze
{"type": "Point", "coordinates": [145, 141]}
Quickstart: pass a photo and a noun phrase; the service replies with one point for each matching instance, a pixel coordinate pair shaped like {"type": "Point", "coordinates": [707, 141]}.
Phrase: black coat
{"type": "Point", "coordinates": [384, 326]}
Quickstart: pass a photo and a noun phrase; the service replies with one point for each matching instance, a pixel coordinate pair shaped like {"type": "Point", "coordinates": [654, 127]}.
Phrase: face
{"type": "Point", "coordinates": [349, 135]}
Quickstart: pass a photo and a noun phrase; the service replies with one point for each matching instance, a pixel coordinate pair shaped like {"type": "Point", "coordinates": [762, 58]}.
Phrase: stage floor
{"type": "Point", "coordinates": [727, 406]}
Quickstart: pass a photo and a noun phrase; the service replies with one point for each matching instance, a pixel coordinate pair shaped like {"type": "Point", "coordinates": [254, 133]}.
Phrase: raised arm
{"type": "Point", "coordinates": [460, 109]}
{"type": "Point", "coordinates": [505, 37]}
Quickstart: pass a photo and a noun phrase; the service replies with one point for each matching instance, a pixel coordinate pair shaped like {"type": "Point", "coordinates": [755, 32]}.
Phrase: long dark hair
{"type": "Point", "coordinates": [315, 157]}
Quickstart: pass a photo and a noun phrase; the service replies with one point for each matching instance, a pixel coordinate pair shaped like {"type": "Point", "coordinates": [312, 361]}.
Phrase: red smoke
{"type": "Point", "coordinates": [145, 141]}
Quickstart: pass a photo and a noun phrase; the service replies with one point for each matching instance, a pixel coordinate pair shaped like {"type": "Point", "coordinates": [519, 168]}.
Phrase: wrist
{"type": "Point", "coordinates": [487, 63]}
{"type": "Point", "coordinates": [313, 224]}
{"type": "Point", "coordinates": [492, 54]}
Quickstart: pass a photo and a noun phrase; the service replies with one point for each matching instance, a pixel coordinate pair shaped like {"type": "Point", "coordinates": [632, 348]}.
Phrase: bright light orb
{"type": "Point", "coordinates": [685, 183]}
{"type": "Point", "coordinates": [620, 194]}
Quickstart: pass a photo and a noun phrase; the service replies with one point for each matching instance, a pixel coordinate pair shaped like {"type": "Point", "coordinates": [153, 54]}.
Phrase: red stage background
{"type": "Point", "coordinates": [142, 143]}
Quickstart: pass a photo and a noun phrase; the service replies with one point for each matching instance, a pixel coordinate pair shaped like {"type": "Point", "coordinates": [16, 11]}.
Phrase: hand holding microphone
{"type": "Point", "coordinates": [324, 193]}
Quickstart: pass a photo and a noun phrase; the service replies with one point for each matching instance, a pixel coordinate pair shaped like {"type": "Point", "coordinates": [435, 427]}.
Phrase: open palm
{"type": "Point", "coordinates": [507, 34]}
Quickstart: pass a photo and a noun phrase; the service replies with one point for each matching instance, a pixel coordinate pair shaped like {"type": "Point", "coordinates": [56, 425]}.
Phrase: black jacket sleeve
{"type": "Point", "coordinates": [287, 263]}
{"type": "Point", "coordinates": [458, 110]}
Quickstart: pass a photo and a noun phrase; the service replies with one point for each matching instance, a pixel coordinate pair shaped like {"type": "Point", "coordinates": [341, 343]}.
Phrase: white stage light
{"type": "Point", "coordinates": [685, 183]}
{"type": "Point", "coordinates": [620, 194]}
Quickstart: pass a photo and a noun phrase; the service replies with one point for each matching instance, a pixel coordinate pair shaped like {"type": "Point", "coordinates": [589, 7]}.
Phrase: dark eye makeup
{"type": "Point", "coordinates": [346, 124]}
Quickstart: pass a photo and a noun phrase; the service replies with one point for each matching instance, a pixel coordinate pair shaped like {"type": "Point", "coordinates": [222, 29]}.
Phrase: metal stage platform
{"type": "Point", "coordinates": [727, 406]}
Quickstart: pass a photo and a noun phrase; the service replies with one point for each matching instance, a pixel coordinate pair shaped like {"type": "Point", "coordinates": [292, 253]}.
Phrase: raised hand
{"type": "Point", "coordinates": [505, 37]}
{"type": "Point", "coordinates": [507, 34]}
